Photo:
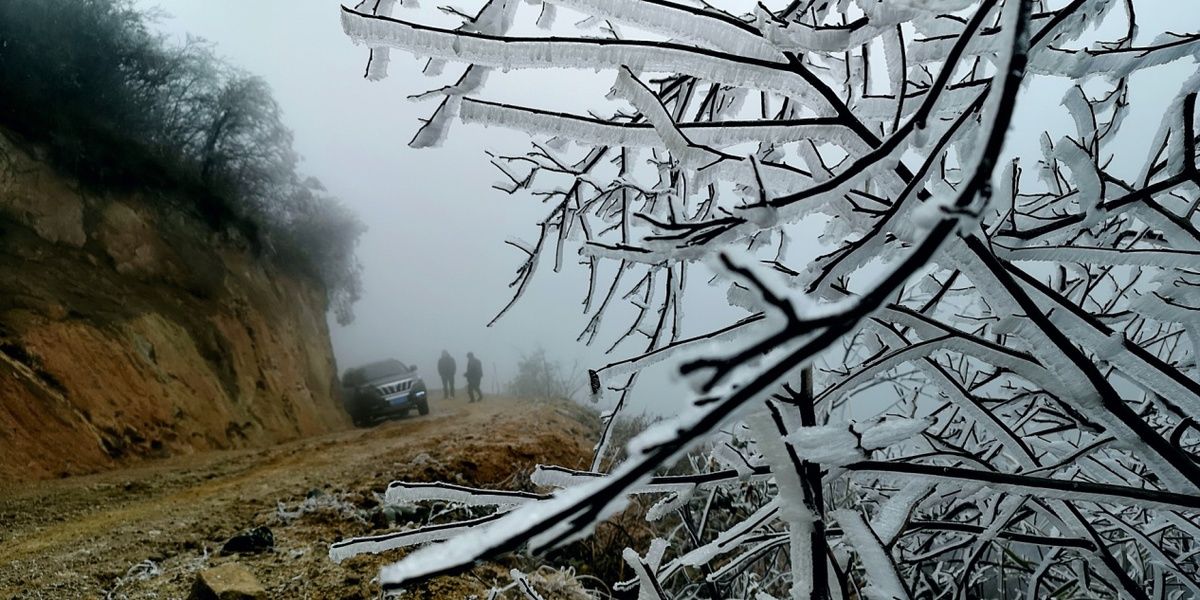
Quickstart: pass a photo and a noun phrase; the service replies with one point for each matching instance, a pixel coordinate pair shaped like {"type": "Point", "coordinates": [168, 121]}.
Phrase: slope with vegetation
{"type": "Point", "coordinates": [165, 270]}
{"type": "Point", "coordinates": [114, 105]}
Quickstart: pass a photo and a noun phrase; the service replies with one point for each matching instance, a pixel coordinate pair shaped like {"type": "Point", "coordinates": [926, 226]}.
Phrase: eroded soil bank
{"type": "Point", "coordinates": [131, 328]}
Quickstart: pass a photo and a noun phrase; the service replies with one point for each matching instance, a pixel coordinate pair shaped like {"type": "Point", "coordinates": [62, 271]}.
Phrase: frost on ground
{"type": "Point", "coordinates": [959, 241]}
{"type": "Point", "coordinates": [147, 532]}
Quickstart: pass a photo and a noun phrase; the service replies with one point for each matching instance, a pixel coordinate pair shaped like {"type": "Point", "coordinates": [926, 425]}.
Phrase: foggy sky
{"type": "Point", "coordinates": [436, 267]}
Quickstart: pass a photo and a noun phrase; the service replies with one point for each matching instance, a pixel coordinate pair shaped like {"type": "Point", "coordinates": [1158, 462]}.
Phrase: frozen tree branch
{"type": "Point", "coordinates": [948, 378]}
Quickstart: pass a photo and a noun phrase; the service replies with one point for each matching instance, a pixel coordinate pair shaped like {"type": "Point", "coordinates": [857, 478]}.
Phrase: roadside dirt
{"type": "Point", "coordinates": [145, 532]}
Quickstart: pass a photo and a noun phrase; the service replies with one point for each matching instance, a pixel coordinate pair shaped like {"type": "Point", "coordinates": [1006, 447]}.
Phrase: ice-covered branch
{"type": "Point", "coordinates": [956, 366]}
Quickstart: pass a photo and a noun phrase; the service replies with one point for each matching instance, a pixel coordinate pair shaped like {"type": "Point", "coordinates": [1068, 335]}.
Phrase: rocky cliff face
{"type": "Point", "coordinates": [128, 330]}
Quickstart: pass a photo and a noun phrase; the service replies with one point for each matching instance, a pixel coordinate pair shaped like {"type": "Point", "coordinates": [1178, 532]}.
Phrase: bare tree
{"type": "Point", "coordinates": [120, 107]}
{"type": "Point", "coordinates": [986, 385]}
{"type": "Point", "coordinates": [539, 376]}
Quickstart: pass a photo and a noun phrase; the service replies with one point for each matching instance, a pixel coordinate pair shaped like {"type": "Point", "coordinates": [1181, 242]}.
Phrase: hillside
{"type": "Point", "coordinates": [131, 329]}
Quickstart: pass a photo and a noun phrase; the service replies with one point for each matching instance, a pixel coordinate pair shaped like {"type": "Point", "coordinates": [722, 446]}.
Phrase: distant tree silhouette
{"type": "Point", "coordinates": [538, 376]}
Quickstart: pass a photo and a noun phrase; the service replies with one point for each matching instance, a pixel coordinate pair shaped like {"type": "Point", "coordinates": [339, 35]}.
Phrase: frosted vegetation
{"type": "Point", "coordinates": [539, 376]}
{"type": "Point", "coordinates": [983, 383]}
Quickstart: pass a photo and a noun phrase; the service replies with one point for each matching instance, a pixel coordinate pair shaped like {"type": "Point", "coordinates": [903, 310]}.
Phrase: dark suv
{"type": "Point", "coordinates": [383, 389]}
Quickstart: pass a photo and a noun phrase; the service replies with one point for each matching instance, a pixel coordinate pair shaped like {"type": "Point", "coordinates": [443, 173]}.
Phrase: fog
{"type": "Point", "coordinates": [436, 266]}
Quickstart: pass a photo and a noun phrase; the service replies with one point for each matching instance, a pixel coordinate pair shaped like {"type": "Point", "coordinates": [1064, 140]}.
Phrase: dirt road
{"type": "Point", "coordinates": [145, 532]}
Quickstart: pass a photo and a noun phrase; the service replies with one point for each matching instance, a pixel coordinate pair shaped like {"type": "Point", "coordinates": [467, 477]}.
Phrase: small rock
{"type": "Point", "coordinates": [385, 517]}
{"type": "Point", "coordinates": [230, 581]}
{"type": "Point", "coordinates": [379, 520]}
{"type": "Point", "coordinates": [259, 539]}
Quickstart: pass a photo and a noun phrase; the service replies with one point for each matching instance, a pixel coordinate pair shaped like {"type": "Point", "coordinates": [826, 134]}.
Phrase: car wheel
{"type": "Point", "coordinates": [423, 407]}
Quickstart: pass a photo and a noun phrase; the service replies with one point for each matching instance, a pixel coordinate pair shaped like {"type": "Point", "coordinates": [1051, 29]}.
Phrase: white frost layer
{"type": "Point", "coordinates": [377, 68]}
{"type": "Point", "coordinates": [377, 544]}
{"type": "Point", "coordinates": [1073, 495]}
{"type": "Point", "coordinates": [843, 444]}
{"type": "Point", "coordinates": [1144, 257]}
{"type": "Point", "coordinates": [883, 580]}
{"type": "Point", "coordinates": [553, 517]}
{"type": "Point", "coordinates": [676, 21]}
{"type": "Point", "coordinates": [894, 513]}
{"type": "Point", "coordinates": [401, 492]}
{"type": "Point", "coordinates": [648, 584]}
{"type": "Point", "coordinates": [1076, 64]}
{"type": "Point", "coordinates": [727, 540]}
{"type": "Point", "coordinates": [684, 150]}
{"type": "Point", "coordinates": [521, 582]}
{"type": "Point", "coordinates": [579, 53]}
{"type": "Point", "coordinates": [587, 130]}
{"type": "Point", "coordinates": [1085, 396]}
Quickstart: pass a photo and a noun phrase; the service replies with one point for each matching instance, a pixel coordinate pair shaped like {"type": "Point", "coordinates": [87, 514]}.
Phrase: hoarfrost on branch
{"type": "Point", "coordinates": [985, 382]}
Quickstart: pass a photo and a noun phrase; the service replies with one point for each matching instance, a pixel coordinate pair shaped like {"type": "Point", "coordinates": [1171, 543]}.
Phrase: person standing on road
{"type": "Point", "coordinates": [474, 375]}
{"type": "Point", "coordinates": [447, 369]}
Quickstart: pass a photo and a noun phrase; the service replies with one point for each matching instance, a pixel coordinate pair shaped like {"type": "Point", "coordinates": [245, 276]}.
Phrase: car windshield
{"type": "Point", "coordinates": [376, 370]}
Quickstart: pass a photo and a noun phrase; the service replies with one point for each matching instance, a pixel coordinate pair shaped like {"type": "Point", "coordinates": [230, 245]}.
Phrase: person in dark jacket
{"type": "Point", "coordinates": [447, 368]}
{"type": "Point", "coordinates": [474, 375]}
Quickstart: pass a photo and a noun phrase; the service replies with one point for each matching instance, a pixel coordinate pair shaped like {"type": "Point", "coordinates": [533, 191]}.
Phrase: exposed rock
{"type": "Point", "coordinates": [35, 195]}
{"type": "Point", "coordinates": [130, 241]}
{"type": "Point", "coordinates": [385, 517]}
{"type": "Point", "coordinates": [259, 539]}
{"type": "Point", "coordinates": [229, 581]}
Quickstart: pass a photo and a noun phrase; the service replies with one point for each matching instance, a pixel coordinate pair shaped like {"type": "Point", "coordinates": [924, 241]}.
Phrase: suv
{"type": "Point", "coordinates": [383, 389]}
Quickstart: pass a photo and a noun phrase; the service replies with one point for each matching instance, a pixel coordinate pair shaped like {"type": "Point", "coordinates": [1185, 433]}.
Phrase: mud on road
{"type": "Point", "coordinates": [145, 532]}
